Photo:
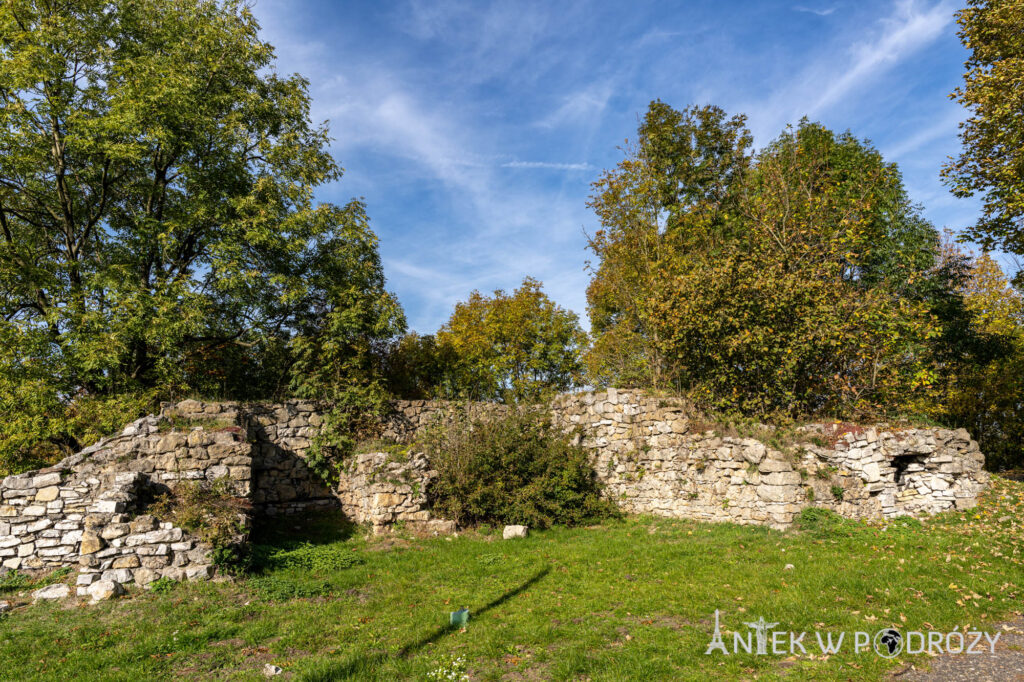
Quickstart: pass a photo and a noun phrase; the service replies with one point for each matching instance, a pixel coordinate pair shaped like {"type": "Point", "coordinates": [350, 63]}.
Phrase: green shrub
{"type": "Point", "coordinates": [14, 581]}
{"type": "Point", "coordinates": [819, 521]}
{"type": "Point", "coordinates": [211, 512]}
{"type": "Point", "coordinates": [41, 427]}
{"type": "Point", "coordinates": [511, 468]}
{"type": "Point", "coordinates": [306, 556]}
{"type": "Point", "coordinates": [162, 585]}
{"type": "Point", "coordinates": [837, 492]}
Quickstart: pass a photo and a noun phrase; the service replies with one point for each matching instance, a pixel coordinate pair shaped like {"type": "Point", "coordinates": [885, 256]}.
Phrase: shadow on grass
{"type": "Point", "coordinates": [315, 528]}
{"type": "Point", "coordinates": [362, 666]}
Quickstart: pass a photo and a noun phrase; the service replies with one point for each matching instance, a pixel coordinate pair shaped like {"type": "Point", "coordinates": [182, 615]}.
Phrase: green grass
{"type": "Point", "coordinates": [629, 600]}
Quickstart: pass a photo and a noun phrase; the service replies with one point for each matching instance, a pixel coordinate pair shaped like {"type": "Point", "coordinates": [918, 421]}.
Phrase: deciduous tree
{"type": "Point", "coordinates": [157, 216]}
{"type": "Point", "coordinates": [992, 160]}
{"type": "Point", "coordinates": [513, 347]}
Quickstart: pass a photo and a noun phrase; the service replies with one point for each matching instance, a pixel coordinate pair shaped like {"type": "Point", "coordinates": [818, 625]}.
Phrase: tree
{"type": "Point", "coordinates": [513, 347]}
{"type": "Point", "coordinates": [796, 281]}
{"type": "Point", "coordinates": [157, 217]}
{"type": "Point", "coordinates": [677, 183]}
{"type": "Point", "coordinates": [992, 160]}
{"type": "Point", "coordinates": [417, 367]}
{"type": "Point", "coordinates": [987, 395]}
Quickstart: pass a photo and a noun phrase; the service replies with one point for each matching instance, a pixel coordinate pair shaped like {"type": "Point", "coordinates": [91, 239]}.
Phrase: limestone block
{"type": "Point", "coordinates": [155, 562]}
{"type": "Point", "coordinates": [238, 473]}
{"type": "Point", "coordinates": [753, 451]}
{"type": "Point", "coordinates": [71, 537]}
{"type": "Point", "coordinates": [46, 480]}
{"type": "Point", "coordinates": [119, 575]}
{"type": "Point", "coordinates": [128, 561]}
{"type": "Point", "coordinates": [114, 530]}
{"type": "Point", "coordinates": [781, 478]}
{"type": "Point", "coordinates": [55, 552]}
{"type": "Point", "coordinates": [107, 506]}
{"type": "Point", "coordinates": [150, 550]}
{"type": "Point", "coordinates": [143, 524]}
{"type": "Point", "coordinates": [50, 592]}
{"type": "Point", "coordinates": [91, 543]}
{"type": "Point", "coordinates": [199, 572]}
{"type": "Point", "coordinates": [871, 472]}
{"type": "Point", "coordinates": [777, 493]}
{"type": "Point", "coordinates": [105, 589]}
{"type": "Point", "coordinates": [48, 494]}
{"type": "Point", "coordinates": [769, 466]}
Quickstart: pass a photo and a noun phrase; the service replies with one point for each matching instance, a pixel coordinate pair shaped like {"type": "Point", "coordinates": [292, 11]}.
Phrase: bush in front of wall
{"type": "Point", "coordinates": [515, 467]}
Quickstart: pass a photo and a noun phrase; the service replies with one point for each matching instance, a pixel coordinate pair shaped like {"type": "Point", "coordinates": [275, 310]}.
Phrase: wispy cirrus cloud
{"type": "Point", "coordinates": [473, 128]}
{"type": "Point", "coordinates": [848, 65]}
{"type": "Point", "coordinates": [548, 165]}
{"type": "Point", "coordinates": [821, 12]}
{"type": "Point", "coordinates": [910, 28]}
{"type": "Point", "coordinates": [942, 126]}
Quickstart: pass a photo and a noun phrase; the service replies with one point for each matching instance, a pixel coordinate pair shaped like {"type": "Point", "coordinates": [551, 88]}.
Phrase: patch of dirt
{"type": "Point", "coordinates": [535, 673]}
{"type": "Point", "coordinates": [1005, 663]}
{"type": "Point", "coordinates": [359, 595]}
{"type": "Point", "coordinates": [522, 668]}
{"type": "Point", "coordinates": [388, 544]}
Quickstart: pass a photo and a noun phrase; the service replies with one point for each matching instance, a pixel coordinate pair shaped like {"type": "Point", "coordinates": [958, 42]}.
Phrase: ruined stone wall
{"type": "Point", "coordinates": [654, 455]}
{"type": "Point", "coordinates": [375, 488]}
{"type": "Point", "coordinates": [83, 512]}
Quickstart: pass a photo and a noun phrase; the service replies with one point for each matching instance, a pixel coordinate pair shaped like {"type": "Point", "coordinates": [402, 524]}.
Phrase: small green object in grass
{"type": "Point", "coordinates": [459, 618]}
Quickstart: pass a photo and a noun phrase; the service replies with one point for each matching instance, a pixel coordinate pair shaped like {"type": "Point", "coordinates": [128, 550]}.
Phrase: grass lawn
{"type": "Point", "coordinates": [629, 600]}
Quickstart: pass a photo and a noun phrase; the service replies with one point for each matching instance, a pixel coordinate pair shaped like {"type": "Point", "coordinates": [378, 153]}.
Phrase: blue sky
{"type": "Point", "coordinates": [474, 129]}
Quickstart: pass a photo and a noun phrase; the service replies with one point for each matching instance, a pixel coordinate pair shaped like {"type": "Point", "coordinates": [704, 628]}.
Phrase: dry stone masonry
{"type": "Point", "coordinates": [654, 456]}
{"type": "Point", "coordinates": [82, 512]}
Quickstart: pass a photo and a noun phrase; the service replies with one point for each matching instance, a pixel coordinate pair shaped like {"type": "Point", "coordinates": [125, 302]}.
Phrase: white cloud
{"type": "Point", "coordinates": [583, 106]}
{"type": "Point", "coordinates": [846, 71]}
{"type": "Point", "coordinates": [909, 29]}
{"type": "Point", "coordinates": [547, 164]}
{"type": "Point", "coordinates": [811, 10]}
{"type": "Point", "coordinates": [434, 119]}
{"type": "Point", "coordinates": [944, 126]}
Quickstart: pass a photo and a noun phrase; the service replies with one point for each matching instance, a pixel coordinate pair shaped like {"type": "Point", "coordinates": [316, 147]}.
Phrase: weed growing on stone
{"type": "Point", "coordinates": [210, 511]}
{"type": "Point", "coordinates": [162, 585]}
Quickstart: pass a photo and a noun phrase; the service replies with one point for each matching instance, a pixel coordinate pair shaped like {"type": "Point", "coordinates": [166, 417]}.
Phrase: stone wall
{"type": "Point", "coordinates": [83, 512]}
{"type": "Point", "coordinates": [375, 488]}
{"type": "Point", "coordinates": [657, 456]}
{"type": "Point", "coordinates": [654, 455]}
